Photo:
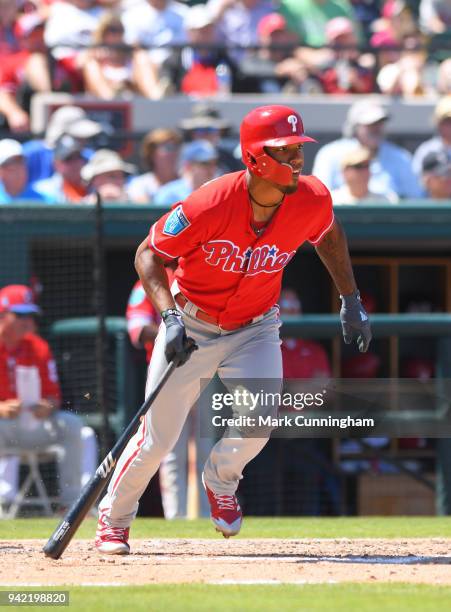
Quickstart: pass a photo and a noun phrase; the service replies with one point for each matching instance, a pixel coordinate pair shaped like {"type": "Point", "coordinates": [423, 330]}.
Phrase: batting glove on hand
{"type": "Point", "coordinates": [178, 347]}
{"type": "Point", "coordinates": [354, 321]}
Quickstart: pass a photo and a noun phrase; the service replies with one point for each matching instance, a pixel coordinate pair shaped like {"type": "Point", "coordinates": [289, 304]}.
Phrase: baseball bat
{"type": "Point", "coordinates": [60, 538]}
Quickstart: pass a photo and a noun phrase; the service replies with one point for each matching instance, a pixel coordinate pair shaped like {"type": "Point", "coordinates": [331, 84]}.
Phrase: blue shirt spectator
{"type": "Point", "coordinates": [66, 184]}
{"type": "Point", "coordinates": [199, 164]}
{"type": "Point", "coordinates": [71, 120]}
{"type": "Point", "coordinates": [391, 165]}
{"type": "Point", "coordinates": [14, 183]}
{"type": "Point", "coordinates": [440, 142]}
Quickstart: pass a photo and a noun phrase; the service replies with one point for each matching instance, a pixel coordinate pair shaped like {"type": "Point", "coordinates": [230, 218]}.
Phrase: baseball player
{"type": "Point", "coordinates": [232, 237]}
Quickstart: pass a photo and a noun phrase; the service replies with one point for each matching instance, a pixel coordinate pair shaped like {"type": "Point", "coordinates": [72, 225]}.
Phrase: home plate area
{"type": "Point", "coordinates": [239, 561]}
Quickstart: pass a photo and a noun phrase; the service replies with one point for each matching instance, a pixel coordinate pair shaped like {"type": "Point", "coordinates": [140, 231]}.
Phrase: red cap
{"type": "Point", "coordinates": [18, 299]}
{"type": "Point", "coordinates": [270, 23]}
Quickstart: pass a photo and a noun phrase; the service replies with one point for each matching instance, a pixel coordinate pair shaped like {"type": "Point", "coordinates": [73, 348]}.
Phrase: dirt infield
{"type": "Point", "coordinates": [232, 561]}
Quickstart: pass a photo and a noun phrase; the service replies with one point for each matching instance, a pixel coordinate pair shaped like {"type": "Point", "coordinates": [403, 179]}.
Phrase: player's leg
{"type": "Point", "coordinates": [174, 476]}
{"type": "Point", "coordinates": [162, 425]}
{"type": "Point", "coordinates": [254, 362]}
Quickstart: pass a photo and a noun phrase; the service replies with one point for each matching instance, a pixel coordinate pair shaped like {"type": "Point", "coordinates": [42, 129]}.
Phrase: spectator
{"type": "Point", "coordinates": [308, 18]}
{"type": "Point", "coordinates": [436, 175]}
{"type": "Point", "coordinates": [408, 74]}
{"type": "Point", "coordinates": [442, 140]}
{"type": "Point", "coordinates": [14, 184]}
{"type": "Point", "coordinates": [435, 16]}
{"type": "Point", "coordinates": [199, 165]}
{"type": "Point", "coordinates": [69, 28]}
{"type": "Point", "coordinates": [346, 71]}
{"type": "Point", "coordinates": [27, 368]}
{"type": "Point", "coordinates": [237, 21]}
{"type": "Point", "coordinates": [273, 68]}
{"type": "Point", "coordinates": [155, 23]}
{"type": "Point", "coordinates": [24, 72]}
{"type": "Point", "coordinates": [205, 123]}
{"type": "Point", "coordinates": [391, 165]}
{"type": "Point", "coordinates": [397, 20]}
{"type": "Point", "coordinates": [71, 120]}
{"type": "Point", "coordinates": [66, 184]}
{"type": "Point", "coordinates": [159, 153]}
{"type": "Point", "coordinates": [116, 70]}
{"type": "Point", "coordinates": [355, 166]}
{"type": "Point", "coordinates": [193, 70]}
{"type": "Point", "coordinates": [106, 173]}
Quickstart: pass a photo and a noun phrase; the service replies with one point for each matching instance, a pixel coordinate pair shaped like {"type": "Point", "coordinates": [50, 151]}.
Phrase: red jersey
{"type": "Point", "coordinates": [225, 268]}
{"type": "Point", "coordinates": [304, 359]}
{"type": "Point", "coordinates": [140, 312]}
{"type": "Point", "coordinates": [32, 351]}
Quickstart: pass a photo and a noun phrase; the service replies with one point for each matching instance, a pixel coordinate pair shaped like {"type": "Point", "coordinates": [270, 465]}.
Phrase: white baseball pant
{"type": "Point", "coordinates": [251, 352]}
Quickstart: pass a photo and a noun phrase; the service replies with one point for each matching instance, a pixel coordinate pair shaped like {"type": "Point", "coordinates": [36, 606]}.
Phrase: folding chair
{"type": "Point", "coordinates": [32, 459]}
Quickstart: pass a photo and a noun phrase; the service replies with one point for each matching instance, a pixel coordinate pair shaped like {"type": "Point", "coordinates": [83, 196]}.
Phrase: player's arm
{"type": "Point", "coordinates": [334, 253]}
{"type": "Point", "coordinates": [151, 271]}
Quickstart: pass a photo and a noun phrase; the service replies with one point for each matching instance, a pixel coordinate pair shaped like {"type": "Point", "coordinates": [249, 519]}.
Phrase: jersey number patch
{"type": "Point", "coordinates": [176, 222]}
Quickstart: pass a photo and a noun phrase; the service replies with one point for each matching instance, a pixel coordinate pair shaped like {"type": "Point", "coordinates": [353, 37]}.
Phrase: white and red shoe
{"type": "Point", "coordinates": [112, 540]}
{"type": "Point", "coordinates": [225, 512]}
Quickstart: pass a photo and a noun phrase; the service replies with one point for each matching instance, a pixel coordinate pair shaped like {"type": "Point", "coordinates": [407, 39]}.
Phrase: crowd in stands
{"type": "Point", "coordinates": [152, 48]}
{"type": "Point", "coordinates": [115, 49]}
{"type": "Point", "coordinates": [363, 165]}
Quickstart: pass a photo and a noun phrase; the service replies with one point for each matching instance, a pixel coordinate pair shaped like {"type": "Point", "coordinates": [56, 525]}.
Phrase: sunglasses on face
{"type": "Point", "coordinates": [169, 147]}
{"type": "Point", "coordinates": [362, 166]}
{"type": "Point", "coordinates": [206, 130]}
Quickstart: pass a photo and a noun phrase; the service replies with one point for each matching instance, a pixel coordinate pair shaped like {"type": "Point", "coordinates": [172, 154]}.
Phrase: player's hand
{"type": "Point", "coordinates": [355, 321]}
{"type": "Point", "coordinates": [9, 409]}
{"type": "Point", "coordinates": [178, 347]}
{"type": "Point", "coordinates": [43, 409]}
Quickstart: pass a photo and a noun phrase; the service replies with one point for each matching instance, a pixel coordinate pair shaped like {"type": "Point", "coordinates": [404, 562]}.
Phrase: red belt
{"type": "Point", "coordinates": [203, 316]}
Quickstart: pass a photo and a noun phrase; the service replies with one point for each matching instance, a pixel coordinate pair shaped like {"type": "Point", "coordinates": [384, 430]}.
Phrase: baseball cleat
{"type": "Point", "coordinates": [112, 540]}
{"type": "Point", "coordinates": [225, 512]}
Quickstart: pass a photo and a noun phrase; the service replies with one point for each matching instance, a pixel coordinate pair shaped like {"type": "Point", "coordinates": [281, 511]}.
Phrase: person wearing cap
{"type": "Point", "coordinates": [14, 183]}
{"type": "Point", "coordinates": [390, 165]}
{"type": "Point", "coordinates": [34, 422]}
{"type": "Point", "coordinates": [272, 68]}
{"type": "Point", "coordinates": [24, 72]}
{"type": "Point", "coordinates": [355, 166]}
{"type": "Point", "coordinates": [160, 157]}
{"type": "Point", "coordinates": [71, 120]}
{"type": "Point", "coordinates": [106, 173]}
{"type": "Point", "coordinates": [66, 184]}
{"type": "Point", "coordinates": [206, 123]}
{"type": "Point", "coordinates": [193, 70]}
{"type": "Point", "coordinates": [441, 141]}
{"type": "Point", "coordinates": [199, 163]}
{"type": "Point", "coordinates": [436, 175]}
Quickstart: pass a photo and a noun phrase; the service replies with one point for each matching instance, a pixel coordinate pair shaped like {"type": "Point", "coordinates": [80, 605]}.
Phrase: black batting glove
{"type": "Point", "coordinates": [178, 347]}
{"type": "Point", "coordinates": [355, 321]}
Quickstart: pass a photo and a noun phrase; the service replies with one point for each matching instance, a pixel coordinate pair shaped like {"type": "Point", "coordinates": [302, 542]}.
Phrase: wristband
{"type": "Point", "coordinates": [168, 312]}
{"type": "Point", "coordinates": [355, 295]}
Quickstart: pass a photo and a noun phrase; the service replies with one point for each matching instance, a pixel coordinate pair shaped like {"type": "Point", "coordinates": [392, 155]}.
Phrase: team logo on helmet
{"type": "Point", "coordinates": [293, 121]}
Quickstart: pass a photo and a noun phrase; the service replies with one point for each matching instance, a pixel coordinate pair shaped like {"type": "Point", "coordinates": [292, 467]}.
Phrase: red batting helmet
{"type": "Point", "coordinates": [270, 126]}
